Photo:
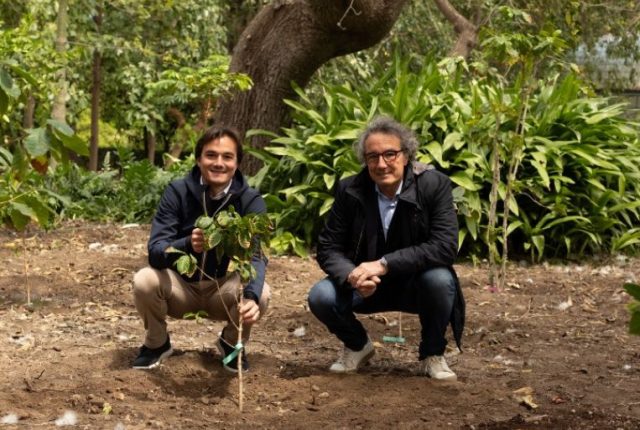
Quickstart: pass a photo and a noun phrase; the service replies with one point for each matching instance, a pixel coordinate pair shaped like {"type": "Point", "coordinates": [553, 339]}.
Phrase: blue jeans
{"type": "Point", "coordinates": [429, 294]}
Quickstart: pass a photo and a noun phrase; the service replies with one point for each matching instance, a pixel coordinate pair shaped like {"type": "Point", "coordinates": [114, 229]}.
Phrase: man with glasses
{"type": "Point", "coordinates": [213, 185]}
{"type": "Point", "coordinates": [389, 244]}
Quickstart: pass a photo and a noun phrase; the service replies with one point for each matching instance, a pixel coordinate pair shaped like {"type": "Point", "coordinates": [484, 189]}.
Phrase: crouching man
{"type": "Point", "coordinates": [388, 244]}
{"type": "Point", "coordinates": [214, 184]}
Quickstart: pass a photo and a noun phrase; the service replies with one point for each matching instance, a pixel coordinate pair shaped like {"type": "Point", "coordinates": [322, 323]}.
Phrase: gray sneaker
{"type": "Point", "coordinates": [435, 366]}
{"type": "Point", "coordinates": [350, 361]}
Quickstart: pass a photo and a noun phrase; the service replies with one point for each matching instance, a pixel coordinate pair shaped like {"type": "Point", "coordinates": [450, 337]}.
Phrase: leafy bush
{"type": "Point", "coordinates": [576, 191]}
{"type": "Point", "coordinates": [129, 195]}
{"type": "Point", "coordinates": [634, 307]}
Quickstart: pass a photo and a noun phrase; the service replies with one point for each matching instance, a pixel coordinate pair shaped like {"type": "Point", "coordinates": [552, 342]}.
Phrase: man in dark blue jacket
{"type": "Point", "coordinates": [389, 244]}
{"type": "Point", "coordinates": [213, 185]}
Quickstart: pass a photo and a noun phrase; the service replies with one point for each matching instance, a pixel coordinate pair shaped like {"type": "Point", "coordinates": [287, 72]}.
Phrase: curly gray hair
{"type": "Point", "coordinates": [387, 125]}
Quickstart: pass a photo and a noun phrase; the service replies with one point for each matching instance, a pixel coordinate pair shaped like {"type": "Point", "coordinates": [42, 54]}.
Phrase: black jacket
{"type": "Point", "coordinates": [180, 206]}
{"type": "Point", "coordinates": [423, 232]}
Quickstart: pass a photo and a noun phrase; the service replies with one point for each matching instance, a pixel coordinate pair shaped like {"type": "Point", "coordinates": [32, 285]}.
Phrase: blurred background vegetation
{"type": "Point", "coordinates": [101, 103]}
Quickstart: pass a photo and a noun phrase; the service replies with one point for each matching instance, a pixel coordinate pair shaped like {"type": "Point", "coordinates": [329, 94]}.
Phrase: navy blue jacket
{"type": "Point", "coordinates": [181, 204]}
{"type": "Point", "coordinates": [423, 232]}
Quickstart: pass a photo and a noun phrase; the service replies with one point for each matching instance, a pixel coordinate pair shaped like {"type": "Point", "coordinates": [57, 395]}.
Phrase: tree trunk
{"type": "Point", "coordinates": [467, 32]}
{"type": "Point", "coordinates": [59, 109]}
{"type": "Point", "coordinates": [289, 40]}
{"type": "Point", "coordinates": [29, 111]}
{"type": "Point", "coordinates": [150, 143]}
{"type": "Point", "coordinates": [95, 98]}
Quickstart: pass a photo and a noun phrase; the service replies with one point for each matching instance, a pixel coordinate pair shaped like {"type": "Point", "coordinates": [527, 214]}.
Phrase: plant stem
{"type": "Point", "coordinates": [26, 266]}
{"type": "Point", "coordinates": [240, 387]}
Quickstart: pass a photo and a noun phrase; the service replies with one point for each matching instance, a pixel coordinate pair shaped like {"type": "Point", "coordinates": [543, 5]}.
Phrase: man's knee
{"type": "Point", "coordinates": [146, 282]}
{"type": "Point", "coordinates": [322, 296]}
{"type": "Point", "coordinates": [438, 282]}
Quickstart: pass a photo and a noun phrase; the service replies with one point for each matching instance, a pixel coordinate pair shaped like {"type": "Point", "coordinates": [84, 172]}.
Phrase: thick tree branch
{"type": "Point", "coordinates": [467, 31]}
{"type": "Point", "coordinates": [287, 42]}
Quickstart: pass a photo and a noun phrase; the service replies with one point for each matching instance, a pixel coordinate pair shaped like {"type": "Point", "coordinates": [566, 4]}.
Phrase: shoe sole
{"type": "Point", "coordinates": [447, 379]}
{"type": "Point", "coordinates": [364, 361]}
{"type": "Point", "coordinates": [164, 355]}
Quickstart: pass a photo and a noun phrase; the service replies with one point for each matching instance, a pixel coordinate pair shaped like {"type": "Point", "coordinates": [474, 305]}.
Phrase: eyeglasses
{"type": "Point", "coordinates": [388, 156]}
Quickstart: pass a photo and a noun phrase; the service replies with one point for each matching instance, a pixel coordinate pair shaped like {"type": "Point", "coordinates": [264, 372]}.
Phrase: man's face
{"type": "Point", "coordinates": [218, 162]}
{"type": "Point", "coordinates": [385, 161]}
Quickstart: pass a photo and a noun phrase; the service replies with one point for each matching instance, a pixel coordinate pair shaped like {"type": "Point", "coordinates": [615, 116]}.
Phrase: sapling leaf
{"type": "Point", "coordinates": [214, 239]}
{"type": "Point", "coordinates": [187, 265]}
{"type": "Point", "coordinates": [172, 250]}
{"type": "Point", "coordinates": [204, 222]}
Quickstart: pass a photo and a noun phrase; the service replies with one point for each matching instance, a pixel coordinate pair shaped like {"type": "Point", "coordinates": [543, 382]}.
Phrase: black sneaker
{"type": "Point", "coordinates": [226, 350]}
{"type": "Point", "coordinates": [150, 358]}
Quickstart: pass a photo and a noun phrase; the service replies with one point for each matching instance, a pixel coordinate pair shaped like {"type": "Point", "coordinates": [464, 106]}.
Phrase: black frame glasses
{"type": "Point", "coordinates": [387, 156]}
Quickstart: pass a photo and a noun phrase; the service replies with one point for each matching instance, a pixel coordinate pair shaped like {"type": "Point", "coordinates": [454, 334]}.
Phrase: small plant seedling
{"type": "Point", "coordinates": [198, 316]}
{"type": "Point", "coordinates": [240, 238]}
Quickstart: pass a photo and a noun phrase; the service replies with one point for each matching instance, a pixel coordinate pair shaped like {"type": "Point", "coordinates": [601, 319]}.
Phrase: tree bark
{"type": "Point", "coordinates": [287, 41]}
{"type": "Point", "coordinates": [59, 109]}
{"type": "Point", "coordinates": [95, 99]}
{"type": "Point", "coordinates": [467, 31]}
{"type": "Point", "coordinates": [150, 143]}
{"type": "Point", "coordinates": [29, 111]}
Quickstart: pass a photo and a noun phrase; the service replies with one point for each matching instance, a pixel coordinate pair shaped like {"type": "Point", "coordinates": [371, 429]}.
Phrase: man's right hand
{"type": "Point", "coordinates": [368, 287]}
{"type": "Point", "coordinates": [197, 240]}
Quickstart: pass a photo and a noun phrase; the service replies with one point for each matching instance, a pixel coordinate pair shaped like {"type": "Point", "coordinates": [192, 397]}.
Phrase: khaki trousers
{"type": "Point", "coordinates": [158, 293]}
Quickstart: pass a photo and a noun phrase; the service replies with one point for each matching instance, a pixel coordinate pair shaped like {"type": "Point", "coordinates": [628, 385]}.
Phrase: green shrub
{"type": "Point", "coordinates": [576, 191]}
{"type": "Point", "coordinates": [127, 195]}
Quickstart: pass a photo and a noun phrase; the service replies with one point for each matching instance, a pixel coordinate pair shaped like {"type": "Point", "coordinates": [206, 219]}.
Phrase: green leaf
{"type": "Point", "coordinates": [463, 179]}
{"type": "Point", "coordinates": [7, 85]}
{"type": "Point", "coordinates": [62, 127]}
{"type": "Point", "coordinates": [633, 290]}
{"type": "Point", "coordinates": [187, 265]}
{"type": "Point", "coordinates": [37, 142]}
{"type": "Point", "coordinates": [634, 324]}
{"type": "Point", "coordinates": [204, 222]}
{"type": "Point", "coordinates": [329, 180]}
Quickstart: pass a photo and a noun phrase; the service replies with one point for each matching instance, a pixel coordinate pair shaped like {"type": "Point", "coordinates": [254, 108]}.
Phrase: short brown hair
{"type": "Point", "coordinates": [216, 132]}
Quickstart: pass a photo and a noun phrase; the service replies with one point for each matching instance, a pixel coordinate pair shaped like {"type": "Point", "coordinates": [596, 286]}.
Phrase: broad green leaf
{"type": "Point", "coordinates": [60, 126]}
{"type": "Point", "coordinates": [329, 180]}
{"type": "Point", "coordinates": [37, 142]}
{"type": "Point", "coordinates": [435, 150]}
{"type": "Point", "coordinates": [463, 179]}
{"type": "Point", "coordinates": [7, 85]}
{"type": "Point", "coordinates": [633, 290]}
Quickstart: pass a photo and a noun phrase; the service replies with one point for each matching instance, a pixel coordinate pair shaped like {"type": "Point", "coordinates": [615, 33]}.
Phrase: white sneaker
{"type": "Point", "coordinates": [350, 361]}
{"type": "Point", "coordinates": [435, 366]}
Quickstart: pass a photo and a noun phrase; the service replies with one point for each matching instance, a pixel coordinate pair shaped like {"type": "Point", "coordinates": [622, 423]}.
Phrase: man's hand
{"type": "Point", "coordinates": [197, 240]}
{"type": "Point", "coordinates": [368, 287]}
{"type": "Point", "coordinates": [367, 271]}
{"type": "Point", "coordinates": [249, 311]}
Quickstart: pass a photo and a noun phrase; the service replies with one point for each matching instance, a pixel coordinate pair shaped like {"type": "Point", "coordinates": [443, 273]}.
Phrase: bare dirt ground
{"type": "Point", "coordinates": [550, 351]}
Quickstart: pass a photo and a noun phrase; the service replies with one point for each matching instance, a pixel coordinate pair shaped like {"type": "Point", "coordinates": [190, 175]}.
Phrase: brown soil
{"type": "Point", "coordinates": [559, 331]}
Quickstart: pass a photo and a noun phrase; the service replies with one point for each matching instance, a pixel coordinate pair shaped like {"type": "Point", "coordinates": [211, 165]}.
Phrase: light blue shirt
{"type": "Point", "coordinates": [387, 208]}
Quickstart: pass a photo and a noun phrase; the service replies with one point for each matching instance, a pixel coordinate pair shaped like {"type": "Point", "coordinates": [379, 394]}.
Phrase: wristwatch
{"type": "Point", "coordinates": [383, 261]}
